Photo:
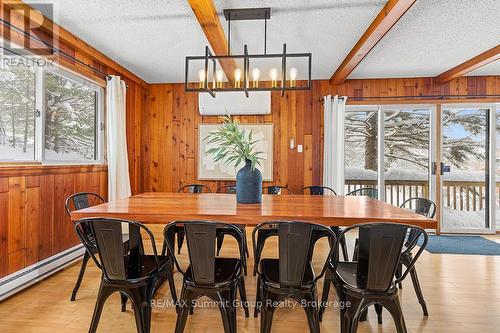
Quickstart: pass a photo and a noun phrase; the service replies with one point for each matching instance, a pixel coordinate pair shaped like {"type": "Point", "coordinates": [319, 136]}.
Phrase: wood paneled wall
{"type": "Point", "coordinates": [33, 222]}
{"type": "Point", "coordinates": [170, 136]}
{"type": "Point", "coordinates": [411, 89]}
{"type": "Point", "coordinates": [170, 125]}
{"type": "Point", "coordinates": [33, 225]}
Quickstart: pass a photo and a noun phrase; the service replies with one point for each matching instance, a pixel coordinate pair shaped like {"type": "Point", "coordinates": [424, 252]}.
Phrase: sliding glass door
{"type": "Point", "coordinates": [467, 190]}
{"type": "Point", "coordinates": [388, 148]}
{"type": "Point", "coordinates": [394, 148]}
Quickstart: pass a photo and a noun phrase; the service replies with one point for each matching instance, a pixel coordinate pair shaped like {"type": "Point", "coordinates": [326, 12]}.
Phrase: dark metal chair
{"type": "Point", "coordinates": [230, 189]}
{"type": "Point", "coordinates": [292, 274]}
{"type": "Point", "coordinates": [371, 279]}
{"type": "Point", "coordinates": [194, 188]}
{"type": "Point", "coordinates": [426, 208]}
{"type": "Point", "coordinates": [317, 190]}
{"type": "Point", "coordinates": [136, 276]}
{"type": "Point", "coordinates": [199, 188]}
{"type": "Point", "coordinates": [365, 191]}
{"type": "Point", "coordinates": [78, 201]}
{"type": "Point", "coordinates": [423, 207]}
{"type": "Point", "coordinates": [276, 189]}
{"type": "Point", "coordinates": [190, 188]}
{"type": "Point", "coordinates": [320, 190]}
{"type": "Point", "coordinates": [208, 275]}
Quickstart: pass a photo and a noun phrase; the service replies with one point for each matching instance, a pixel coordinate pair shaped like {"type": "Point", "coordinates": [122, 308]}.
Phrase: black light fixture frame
{"type": "Point", "coordinates": [210, 59]}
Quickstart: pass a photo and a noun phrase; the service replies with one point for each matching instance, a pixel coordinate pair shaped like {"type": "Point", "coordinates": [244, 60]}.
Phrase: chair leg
{"type": "Point", "coordinates": [124, 299]}
{"type": "Point", "coordinates": [343, 245]}
{"type": "Point", "coordinates": [418, 290]}
{"type": "Point", "coordinates": [180, 240]}
{"type": "Point", "coordinates": [312, 312]}
{"type": "Point", "coordinates": [141, 298]}
{"type": "Point", "coordinates": [185, 305]}
{"type": "Point", "coordinates": [258, 298]}
{"type": "Point", "coordinates": [259, 247]}
{"type": "Point", "coordinates": [363, 315]}
{"type": "Point", "coordinates": [173, 293]}
{"type": "Point", "coordinates": [355, 254]}
{"type": "Point", "coordinates": [227, 309]}
{"type": "Point", "coordinates": [378, 310]}
{"type": "Point", "coordinates": [394, 308]}
{"type": "Point", "coordinates": [324, 296]}
{"type": "Point", "coordinates": [220, 240]}
{"type": "Point", "coordinates": [266, 317]}
{"type": "Point", "coordinates": [86, 257]}
{"type": "Point", "coordinates": [358, 306]}
{"type": "Point", "coordinates": [399, 272]}
{"type": "Point", "coordinates": [164, 248]}
{"type": "Point", "coordinates": [243, 296]}
{"type": "Point", "coordinates": [102, 296]}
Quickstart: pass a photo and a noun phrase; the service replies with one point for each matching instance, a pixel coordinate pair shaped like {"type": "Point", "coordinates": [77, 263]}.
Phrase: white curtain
{"type": "Point", "coordinates": [333, 151]}
{"type": "Point", "coordinates": [118, 173]}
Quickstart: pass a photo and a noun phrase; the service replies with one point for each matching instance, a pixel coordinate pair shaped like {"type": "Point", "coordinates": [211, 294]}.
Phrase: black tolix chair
{"type": "Point", "coordinates": [371, 279]}
{"type": "Point", "coordinates": [207, 275]}
{"type": "Point", "coordinates": [291, 276]}
{"type": "Point", "coordinates": [136, 276]}
{"type": "Point", "coordinates": [83, 200]}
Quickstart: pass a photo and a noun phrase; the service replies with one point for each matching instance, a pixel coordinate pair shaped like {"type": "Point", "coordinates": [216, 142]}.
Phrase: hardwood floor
{"type": "Point", "coordinates": [462, 294]}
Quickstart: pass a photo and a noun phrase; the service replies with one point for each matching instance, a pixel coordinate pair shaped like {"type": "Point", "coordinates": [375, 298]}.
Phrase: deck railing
{"type": "Point", "coordinates": [458, 195]}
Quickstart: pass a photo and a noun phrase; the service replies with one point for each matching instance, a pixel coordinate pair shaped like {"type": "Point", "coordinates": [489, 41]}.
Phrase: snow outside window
{"type": "Point", "coordinates": [49, 115]}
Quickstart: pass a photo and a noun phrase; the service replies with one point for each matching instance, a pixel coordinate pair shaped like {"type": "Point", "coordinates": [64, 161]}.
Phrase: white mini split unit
{"type": "Point", "coordinates": [235, 103]}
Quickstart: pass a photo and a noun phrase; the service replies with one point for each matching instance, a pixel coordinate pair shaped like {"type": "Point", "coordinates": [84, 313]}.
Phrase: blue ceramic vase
{"type": "Point", "coordinates": [248, 185]}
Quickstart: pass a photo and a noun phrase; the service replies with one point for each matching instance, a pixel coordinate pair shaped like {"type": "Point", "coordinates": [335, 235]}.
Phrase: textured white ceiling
{"type": "Point", "coordinates": [152, 37]}
{"type": "Point", "coordinates": [432, 37]}
{"type": "Point", "coordinates": [490, 69]}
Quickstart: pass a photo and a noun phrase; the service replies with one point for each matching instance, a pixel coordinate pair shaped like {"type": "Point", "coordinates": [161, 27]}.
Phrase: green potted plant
{"type": "Point", "coordinates": [235, 146]}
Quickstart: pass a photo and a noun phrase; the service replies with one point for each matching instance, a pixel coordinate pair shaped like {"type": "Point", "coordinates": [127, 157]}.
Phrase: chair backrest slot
{"type": "Point", "coordinates": [294, 249]}
{"type": "Point", "coordinates": [379, 253]}
{"type": "Point", "coordinates": [201, 247]}
{"type": "Point", "coordinates": [109, 240]}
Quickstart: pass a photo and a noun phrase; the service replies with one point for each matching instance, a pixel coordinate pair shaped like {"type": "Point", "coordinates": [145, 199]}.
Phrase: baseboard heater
{"type": "Point", "coordinates": [15, 282]}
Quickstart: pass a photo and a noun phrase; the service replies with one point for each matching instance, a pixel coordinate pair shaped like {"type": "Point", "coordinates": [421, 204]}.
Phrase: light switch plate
{"type": "Point", "coordinates": [299, 148]}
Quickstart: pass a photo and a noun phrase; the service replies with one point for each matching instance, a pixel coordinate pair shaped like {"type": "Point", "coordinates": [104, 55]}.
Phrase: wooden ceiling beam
{"type": "Point", "coordinates": [385, 20]}
{"type": "Point", "coordinates": [207, 17]}
{"type": "Point", "coordinates": [470, 65]}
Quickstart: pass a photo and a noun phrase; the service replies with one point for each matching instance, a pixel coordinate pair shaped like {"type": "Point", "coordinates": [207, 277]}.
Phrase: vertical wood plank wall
{"type": "Point", "coordinates": [170, 136]}
{"type": "Point", "coordinates": [170, 126]}
{"type": "Point", "coordinates": [33, 225]}
{"type": "Point", "coordinates": [33, 222]}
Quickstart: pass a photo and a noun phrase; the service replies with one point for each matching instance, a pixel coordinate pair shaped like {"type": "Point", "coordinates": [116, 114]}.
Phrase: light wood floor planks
{"type": "Point", "coordinates": [462, 293]}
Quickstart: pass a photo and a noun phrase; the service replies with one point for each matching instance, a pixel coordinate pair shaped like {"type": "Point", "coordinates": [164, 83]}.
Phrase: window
{"type": "Point", "coordinates": [17, 113]}
{"type": "Point", "coordinates": [49, 115]}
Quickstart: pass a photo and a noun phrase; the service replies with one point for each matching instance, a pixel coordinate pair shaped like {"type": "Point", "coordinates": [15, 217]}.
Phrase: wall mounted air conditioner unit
{"type": "Point", "coordinates": [235, 103]}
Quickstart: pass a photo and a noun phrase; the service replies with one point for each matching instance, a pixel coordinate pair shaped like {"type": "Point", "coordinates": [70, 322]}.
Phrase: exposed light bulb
{"type": "Point", "coordinates": [237, 77]}
{"type": "Point", "coordinates": [219, 74]}
{"type": "Point", "coordinates": [255, 75]}
{"type": "Point", "coordinates": [293, 77]}
{"type": "Point", "coordinates": [274, 76]}
{"type": "Point", "coordinates": [201, 76]}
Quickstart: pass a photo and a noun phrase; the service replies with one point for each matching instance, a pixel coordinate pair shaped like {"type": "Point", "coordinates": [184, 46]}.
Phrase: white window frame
{"type": "Point", "coordinates": [40, 113]}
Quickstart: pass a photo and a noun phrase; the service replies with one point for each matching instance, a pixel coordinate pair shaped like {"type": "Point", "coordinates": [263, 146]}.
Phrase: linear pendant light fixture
{"type": "Point", "coordinates": [210, 77]}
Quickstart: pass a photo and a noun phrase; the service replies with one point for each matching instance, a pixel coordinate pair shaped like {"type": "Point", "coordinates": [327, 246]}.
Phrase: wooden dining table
{"type": "Point", "coordinates": [162, 208]}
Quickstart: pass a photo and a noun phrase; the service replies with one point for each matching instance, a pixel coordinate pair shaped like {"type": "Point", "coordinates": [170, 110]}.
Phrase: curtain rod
{"type": "Point", "coordinates": [442, 97]}
{"type": "Point", "coordinates": [54, 49]}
